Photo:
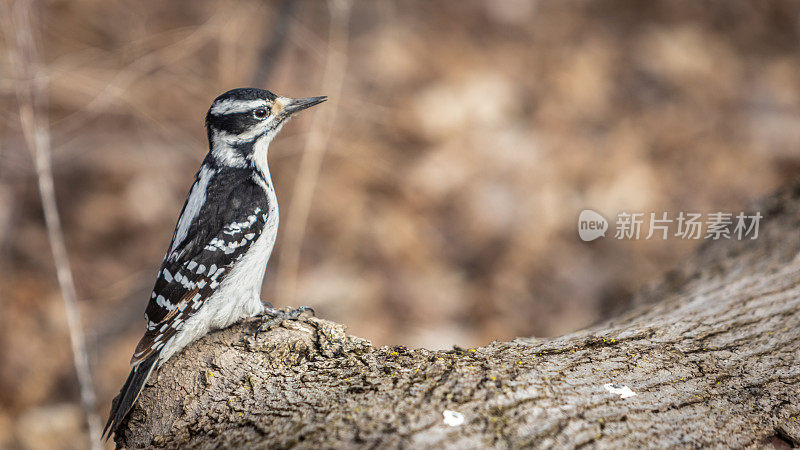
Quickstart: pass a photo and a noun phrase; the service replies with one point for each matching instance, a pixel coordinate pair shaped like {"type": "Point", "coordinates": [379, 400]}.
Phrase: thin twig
{"type": "Point", "coordinates": [314, 153]}
{"type": "Point", "coordinates": [105, 95]}
{"type": "Point", "coordinates": [274, 44]}
{"type": "Point", "coordinates": [30, 95]}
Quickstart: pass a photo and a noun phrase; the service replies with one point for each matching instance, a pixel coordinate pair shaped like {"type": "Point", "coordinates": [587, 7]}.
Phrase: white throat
{"type": "Point", "coordinates": [259, 157]}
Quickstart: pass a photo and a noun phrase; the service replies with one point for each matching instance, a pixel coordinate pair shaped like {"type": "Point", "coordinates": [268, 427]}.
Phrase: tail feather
{"type": "Point", "coordinates": [128, 395]}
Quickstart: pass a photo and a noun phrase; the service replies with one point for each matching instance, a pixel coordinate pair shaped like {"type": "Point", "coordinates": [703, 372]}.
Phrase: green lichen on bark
{"type": "Point", "coordinates": [712, 354]}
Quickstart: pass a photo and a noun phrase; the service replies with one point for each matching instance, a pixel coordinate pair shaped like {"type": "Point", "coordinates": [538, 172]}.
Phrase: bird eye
{"type": "Point", "coordinates": [260, 113]}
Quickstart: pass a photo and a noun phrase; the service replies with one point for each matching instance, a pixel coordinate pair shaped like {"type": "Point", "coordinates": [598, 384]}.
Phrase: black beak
{"type": "Point", "coordinates": [302, 103]}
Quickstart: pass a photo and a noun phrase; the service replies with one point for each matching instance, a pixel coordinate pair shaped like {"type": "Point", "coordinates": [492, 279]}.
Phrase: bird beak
{"type": "Point", "coordinates": [294, 105]}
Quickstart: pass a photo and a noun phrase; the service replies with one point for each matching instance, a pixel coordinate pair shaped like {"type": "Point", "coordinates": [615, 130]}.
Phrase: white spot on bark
{"type": "Point", "coordinates": [453, 418]}
{"type": "Point", "coordinates": [619, 389]}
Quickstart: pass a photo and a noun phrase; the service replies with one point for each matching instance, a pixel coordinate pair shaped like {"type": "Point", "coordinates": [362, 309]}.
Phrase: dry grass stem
{"type": "Point", "coordinates": [31, 95]}
{"type": "Point", "coordinates": [314, 152]}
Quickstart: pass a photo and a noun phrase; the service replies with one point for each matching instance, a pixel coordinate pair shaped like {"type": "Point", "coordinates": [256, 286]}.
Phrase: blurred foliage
{"type": "Point", "coordinates": [469, 136]}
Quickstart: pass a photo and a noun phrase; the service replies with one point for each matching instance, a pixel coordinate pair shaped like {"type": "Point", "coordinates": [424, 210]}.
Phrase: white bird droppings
{"type": "Point", "coordinates": [453, 418]}
{"type": "Point", "coordinates": [619, 389]}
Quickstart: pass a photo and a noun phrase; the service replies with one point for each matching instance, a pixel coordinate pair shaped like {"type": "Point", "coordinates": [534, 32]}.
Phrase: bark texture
{"type": "Point", "coordinates": [712, 354]}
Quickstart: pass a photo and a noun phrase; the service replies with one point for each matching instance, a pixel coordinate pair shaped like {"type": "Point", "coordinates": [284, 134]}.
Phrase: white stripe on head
{"type": "Point", "coordinates": [233, 106]}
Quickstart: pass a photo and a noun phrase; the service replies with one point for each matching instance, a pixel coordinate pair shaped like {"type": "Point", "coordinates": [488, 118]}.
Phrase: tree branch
{"type": "Point", "coordinates": [712, 356]}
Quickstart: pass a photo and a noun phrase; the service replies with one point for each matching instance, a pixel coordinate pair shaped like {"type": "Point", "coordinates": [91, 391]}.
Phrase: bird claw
{"type": "Point", "coordinates": [272, 317]}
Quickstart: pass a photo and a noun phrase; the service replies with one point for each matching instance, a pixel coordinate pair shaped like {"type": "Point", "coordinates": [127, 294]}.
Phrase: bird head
{"type": "Point", "coordinates": [243, 120]}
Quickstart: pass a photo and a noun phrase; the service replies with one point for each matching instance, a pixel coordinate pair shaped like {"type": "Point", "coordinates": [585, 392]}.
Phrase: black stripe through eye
{"type": "Point", "coordinates": [260, 113]}
{"type": "Point", "coordinates": [234, 123]}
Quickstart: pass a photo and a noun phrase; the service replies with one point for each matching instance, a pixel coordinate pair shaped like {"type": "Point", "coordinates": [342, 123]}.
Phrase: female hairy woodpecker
{"type": "Point", "coordinates": [212, 272]}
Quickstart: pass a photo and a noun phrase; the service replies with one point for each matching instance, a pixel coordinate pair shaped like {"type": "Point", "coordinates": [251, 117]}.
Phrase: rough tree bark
{"type": "Point", "coordinates": [711, 352]}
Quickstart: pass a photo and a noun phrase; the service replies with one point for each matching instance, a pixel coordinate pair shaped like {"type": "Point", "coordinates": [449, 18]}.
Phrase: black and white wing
{"type": "Point", "coordinates": [231, 219]}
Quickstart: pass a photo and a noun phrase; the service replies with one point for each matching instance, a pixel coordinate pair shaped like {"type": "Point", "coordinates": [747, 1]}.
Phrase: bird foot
{"type": "Point", "coordinates": [272, 317]}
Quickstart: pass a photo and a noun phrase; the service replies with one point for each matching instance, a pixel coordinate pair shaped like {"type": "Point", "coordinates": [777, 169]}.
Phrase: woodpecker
{"type": "Point", "coordinates": [212, 272]}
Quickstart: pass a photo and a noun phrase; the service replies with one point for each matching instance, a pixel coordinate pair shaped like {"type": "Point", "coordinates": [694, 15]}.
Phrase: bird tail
{"type": "Point", "coordinates": [123, 403]}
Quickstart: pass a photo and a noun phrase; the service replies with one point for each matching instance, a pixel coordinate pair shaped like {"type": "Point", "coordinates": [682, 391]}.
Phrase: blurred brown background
{"type": "Point", "coordinates": [466, 138]}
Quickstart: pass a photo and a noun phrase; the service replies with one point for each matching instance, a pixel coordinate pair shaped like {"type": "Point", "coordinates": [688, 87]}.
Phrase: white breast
{"type": "Point", "coordinates": [239, 295]}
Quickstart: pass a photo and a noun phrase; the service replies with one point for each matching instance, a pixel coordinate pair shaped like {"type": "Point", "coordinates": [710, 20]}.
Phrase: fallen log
{"type": "Point", "coordinates": [709, 357]}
